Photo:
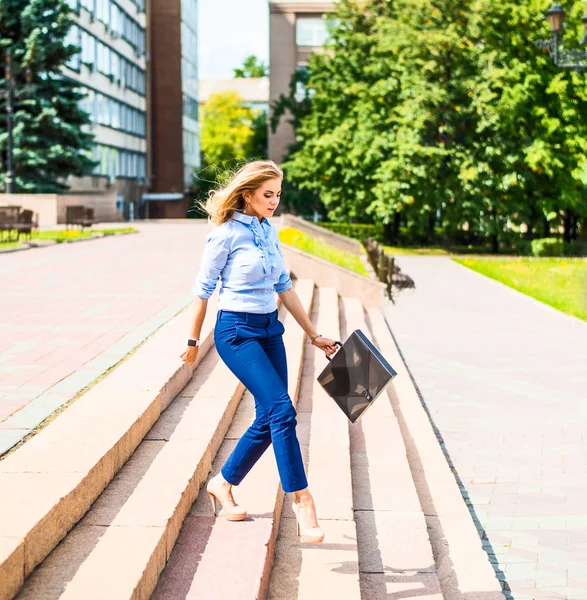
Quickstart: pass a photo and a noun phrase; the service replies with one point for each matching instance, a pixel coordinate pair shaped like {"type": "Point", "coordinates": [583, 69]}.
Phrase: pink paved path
{"type": "Point", "coordinates": [62, 305]}
{"type": "Point", "coordinates": [504, 378]}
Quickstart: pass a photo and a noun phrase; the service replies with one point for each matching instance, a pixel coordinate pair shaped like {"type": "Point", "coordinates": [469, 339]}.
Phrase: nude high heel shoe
{"type": "Point", "coordinates": [231, 513]}
{"type": "Point", "coordinates": [313, 535]}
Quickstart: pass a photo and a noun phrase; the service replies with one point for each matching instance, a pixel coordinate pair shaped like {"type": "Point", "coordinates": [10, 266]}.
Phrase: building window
{"type": "Point", "coordinates": [103, 11]}
{"type": "Point", "coordinates": [73, 39]}
{"type": "Point", "coordinates": [189, 72]}
{"type": "Point", "coordinates": [110, 112]}
{"type": "Point", "coordinates": [118, 162]}
{"type": "Point", "coordinates": [88, 44]}
{"type": "Point", "coordinates": [118, 22]}
{"type": "Point", "coordinates": [190, 107]}
{"type": "Point", "coordinates": [190, 142]}
{"type": "Point", "coordinates": [311, 31]}
{"type": "Point", "coordinates": [189, 42]}
{"type": "Point", "coordinates": [120, 69]}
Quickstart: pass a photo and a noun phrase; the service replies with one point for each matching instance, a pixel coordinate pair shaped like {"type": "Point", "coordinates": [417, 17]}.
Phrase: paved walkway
{"type": "Point", "coordinates": [504, 378]}
{"type": "Point", "coordinates": [64, 305]}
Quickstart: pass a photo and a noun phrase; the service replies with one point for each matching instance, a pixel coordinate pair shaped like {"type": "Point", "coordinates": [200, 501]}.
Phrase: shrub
{"type": "Point", "coordinates": [357, 231]}
{"type": "Point", "coordinates": [547, 247]}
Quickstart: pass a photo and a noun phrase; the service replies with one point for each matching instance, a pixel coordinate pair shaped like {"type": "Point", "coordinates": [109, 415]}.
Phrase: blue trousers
{"type": "Point", "coordinates": [252, 347]}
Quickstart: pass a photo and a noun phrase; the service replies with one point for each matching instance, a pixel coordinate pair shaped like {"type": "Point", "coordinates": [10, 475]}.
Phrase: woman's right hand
{"type": "Point", "coordinates": [190, 355]}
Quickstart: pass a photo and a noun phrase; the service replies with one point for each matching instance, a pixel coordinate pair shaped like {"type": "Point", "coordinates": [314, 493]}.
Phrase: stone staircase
{"type": "Point", "coordinates": [104, 502]}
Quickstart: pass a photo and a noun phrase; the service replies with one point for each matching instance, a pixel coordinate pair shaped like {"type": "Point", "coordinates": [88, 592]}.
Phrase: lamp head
{"type": "Point", "coordinates": [556, 16]}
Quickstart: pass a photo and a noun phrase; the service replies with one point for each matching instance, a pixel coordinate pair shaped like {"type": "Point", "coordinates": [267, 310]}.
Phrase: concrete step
{"type": "Point", "coordinates": [215, 558]}
{"type": "Point", "coordinates": [463, 568]}
{"type": "Point", "coordinates": [48, 484]}
{"type": "Point", "coordinates": [395, 554]}
{"type": "Point", "coordinates": [130, 531]}
{"type": "Point", "coordinates": [331, 569]}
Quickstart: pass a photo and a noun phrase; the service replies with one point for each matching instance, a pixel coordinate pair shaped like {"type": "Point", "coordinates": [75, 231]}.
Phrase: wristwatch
{"type": "Point", "coordinates": [193, 342]}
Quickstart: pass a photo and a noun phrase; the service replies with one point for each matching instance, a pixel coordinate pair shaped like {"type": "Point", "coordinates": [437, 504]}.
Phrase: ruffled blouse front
{"type": "Point", "coordinates": [245, 254]}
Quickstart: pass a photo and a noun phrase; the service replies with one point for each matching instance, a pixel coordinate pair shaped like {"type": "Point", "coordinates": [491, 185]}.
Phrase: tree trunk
{"type": "Point", "coordinates": [493, 236]}
{"type": "Point", "coordinates": [430, 228]}
{"type": "Point", "coordinates": [396, 225]}
{"type": "Point", "coordinates": [530, 233]}
{"type": "Point", "coordinates": [546, 227]}
{"type": "Point", "coordinates": [391, 230]}
{"type": "Point", "coordinates": [570, 223]}
{"type": "Point", "coordinates": [388, 234]}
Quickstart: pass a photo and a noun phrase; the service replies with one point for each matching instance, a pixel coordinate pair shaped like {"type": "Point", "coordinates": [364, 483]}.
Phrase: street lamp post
{"type": "Point", "coordinates": [9, 94]}
{"type": "Point", "coordinates": [10, 183]}
{"type": "Point", "coordinates": [563, 58]}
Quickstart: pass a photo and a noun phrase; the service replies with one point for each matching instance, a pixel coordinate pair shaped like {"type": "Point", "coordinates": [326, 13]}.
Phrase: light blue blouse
{"type": "Point", "coordinates": [245, 254]}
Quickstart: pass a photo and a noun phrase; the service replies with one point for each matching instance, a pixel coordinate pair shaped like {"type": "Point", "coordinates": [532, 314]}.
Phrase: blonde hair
{"type": "Point", "coordinates": [222, 202]}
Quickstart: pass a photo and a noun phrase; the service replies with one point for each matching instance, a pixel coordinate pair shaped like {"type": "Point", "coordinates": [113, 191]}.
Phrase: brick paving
{"type": "Point", "coordinates": [71, 311]}
{"type": "Point", "coordinates": [504, 379]}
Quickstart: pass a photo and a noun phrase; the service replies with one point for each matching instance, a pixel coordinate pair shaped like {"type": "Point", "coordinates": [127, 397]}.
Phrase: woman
{"type": "Point", "coordinates": [243, 250]}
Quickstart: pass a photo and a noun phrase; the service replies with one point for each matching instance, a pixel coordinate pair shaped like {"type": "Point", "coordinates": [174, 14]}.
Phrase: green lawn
{"type": "Point", "coordinates": [63, 235]}
{"type": "Point", "coordinates": [304, 242]}
{"type": "Point", "coordinates": [559, 282]}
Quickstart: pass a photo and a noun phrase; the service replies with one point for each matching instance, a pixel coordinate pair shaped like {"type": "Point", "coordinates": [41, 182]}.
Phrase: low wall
{"type": "Point", "coordinates": [44, 205]}
{"type": "Point", "coordinates": [50, 208]}
{"type": "Point", "coordinates": [325, 274]}
{"type": "Point", "coordinates": [104, 205]}
{"type": "Point", "coordinates": [329, 237]}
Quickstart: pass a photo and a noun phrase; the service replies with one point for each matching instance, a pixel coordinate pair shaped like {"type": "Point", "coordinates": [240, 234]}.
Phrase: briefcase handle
{"type": "Point", "coordinates": [339, 344]}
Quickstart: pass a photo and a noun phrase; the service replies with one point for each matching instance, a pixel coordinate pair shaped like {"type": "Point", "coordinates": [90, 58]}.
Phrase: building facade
{"type": "Point", "coordinates": [297, 29]}
{"type": "Point", "coordinates": [111, 69]}
{"type": "Point", "coordinates": [175, 148]}
{"type": "Point", "coordinates": [253, 90]}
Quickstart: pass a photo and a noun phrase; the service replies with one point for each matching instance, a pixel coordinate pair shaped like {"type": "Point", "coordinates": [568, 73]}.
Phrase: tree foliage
{"type": "Point", "coordinates": [230, 134]}
{"type": "Point", "coordinates": [50, 143]}
{"type": "Point", "coordinates": [444, 117]}
{"type": "Point", "coordinates": [252, 67]}
{"type": "Point", "coordinates": [295, 105]}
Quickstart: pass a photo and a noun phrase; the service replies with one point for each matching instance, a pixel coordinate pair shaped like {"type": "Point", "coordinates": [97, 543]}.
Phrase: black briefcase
{"type": "Point", "coordinates": [356, 375]}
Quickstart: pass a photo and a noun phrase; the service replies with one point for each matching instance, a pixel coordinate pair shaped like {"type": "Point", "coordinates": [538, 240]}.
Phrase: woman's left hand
{"type": "Point", "coordinates": [325, 344]}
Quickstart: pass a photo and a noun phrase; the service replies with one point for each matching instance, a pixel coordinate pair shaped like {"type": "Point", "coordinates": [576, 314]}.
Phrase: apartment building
{"type": "Point", "coordinates": [297, 29]}
{"type": "Point", "coordinates": [253, 90]}
{"type": "Point", "coordinates": [112, 70]}
{"type": "Point", "coordinates": [175, 148]}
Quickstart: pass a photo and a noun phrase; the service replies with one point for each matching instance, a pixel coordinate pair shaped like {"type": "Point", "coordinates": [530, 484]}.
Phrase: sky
{"type": "Point", "coordinates": [228, 31]}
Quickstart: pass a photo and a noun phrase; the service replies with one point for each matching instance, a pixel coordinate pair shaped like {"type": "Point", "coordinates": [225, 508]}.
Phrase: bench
{"type": "Point", "coordinates": [16, 222]}
{"type": "Point", "coordinates": [82, 216]}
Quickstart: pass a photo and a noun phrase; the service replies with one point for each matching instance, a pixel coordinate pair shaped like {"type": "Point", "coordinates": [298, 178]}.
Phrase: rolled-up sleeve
{"type": "Point", "coordinates": [284, 282]}
{"type": "Point", "coordinates": [213, 261]}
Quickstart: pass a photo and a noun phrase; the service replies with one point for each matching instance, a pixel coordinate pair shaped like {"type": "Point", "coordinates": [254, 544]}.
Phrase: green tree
{"type": "Point", "coordinates": [50, 143]}
{"type": "Point", "coordinates": [339, 140]}
{"type": "Point", "coordinates": [531, 140]}
{"type": "Point", "coordinates": [444, 117]}
{"type": "Point", "coordinates": [230, 134]}
{"type": "Point", "coordinates": [252, 67]}
{"type": "Point", "coordinates": [294, 106]}
{"type": "Point", "coordinates": [259, 140]}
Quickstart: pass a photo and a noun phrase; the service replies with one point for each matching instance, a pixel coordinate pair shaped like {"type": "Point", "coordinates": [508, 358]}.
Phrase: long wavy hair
{"type": "Point", "coordinates": [223, 201]}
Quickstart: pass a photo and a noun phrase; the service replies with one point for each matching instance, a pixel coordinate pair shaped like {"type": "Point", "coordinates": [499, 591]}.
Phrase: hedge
{"type": "Point", "coordinates": [357, 231]}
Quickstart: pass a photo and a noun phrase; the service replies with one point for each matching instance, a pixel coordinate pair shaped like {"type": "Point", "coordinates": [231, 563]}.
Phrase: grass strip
{"type": "Point", "coordinates": [300, 240]}
{"type": "Point", "coordinates": [408, 250]}
{"type": "Point", "coordinates": [67, 235]}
